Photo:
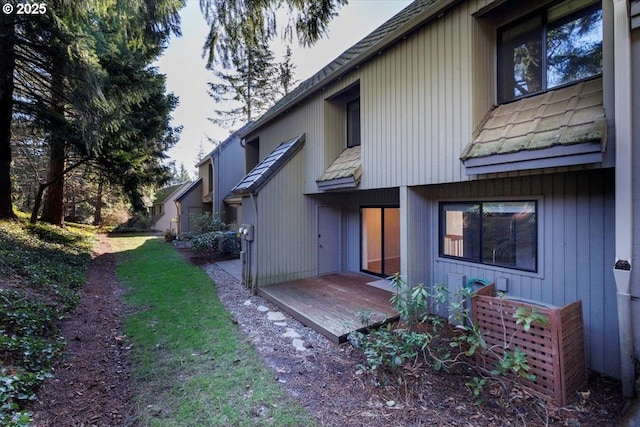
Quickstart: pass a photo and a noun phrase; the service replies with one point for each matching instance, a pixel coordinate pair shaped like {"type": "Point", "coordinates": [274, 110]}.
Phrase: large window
{"type": "Point", "coordinates": [501, 233]}
{"type": "Point", "coordinates": [556, 46]}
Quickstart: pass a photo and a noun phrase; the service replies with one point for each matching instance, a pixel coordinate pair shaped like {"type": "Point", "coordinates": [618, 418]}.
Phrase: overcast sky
{"type": "Point", "coordinates": [187, 77]}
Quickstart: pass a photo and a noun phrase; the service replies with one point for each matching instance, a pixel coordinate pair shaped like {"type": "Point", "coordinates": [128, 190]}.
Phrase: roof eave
{"type": "Point", "coordinates": [557, 156]}
{"type": "Point", "coordinates": [434, 11]}
{"type": "Point", "coordinates": [349, 182]}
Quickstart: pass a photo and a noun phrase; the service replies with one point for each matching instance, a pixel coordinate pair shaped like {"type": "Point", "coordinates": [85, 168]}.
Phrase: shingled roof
{"type": "Point", "coordinates": [259, 175]}
{"type": "Point", "coordinates": [411, 17]}
{"type": "Point", "coordinates": [561, 127]}
{"type": "Point", "coordinates": [344, 172]}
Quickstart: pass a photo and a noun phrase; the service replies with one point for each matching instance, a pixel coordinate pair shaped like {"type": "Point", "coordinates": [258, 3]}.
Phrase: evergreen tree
{"type": "Point", "coordinates": [247, 89]}
{"type": "Point", "coordinates": [251, 23]}
{"type": "Point", "coordinates": [52, 77]}
{"type": "Point", "coordinates": [286, 73]}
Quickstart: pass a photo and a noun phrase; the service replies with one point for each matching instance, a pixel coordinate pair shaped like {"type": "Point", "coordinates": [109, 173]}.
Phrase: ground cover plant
{"type": "Point", "coordinates": [42, 269]}
{"type": "Point", "coordinates": [192, 366]}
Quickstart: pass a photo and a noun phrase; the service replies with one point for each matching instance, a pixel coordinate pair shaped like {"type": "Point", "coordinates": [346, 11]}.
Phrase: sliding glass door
{"type": "Point", "coordinates": [380, 244]}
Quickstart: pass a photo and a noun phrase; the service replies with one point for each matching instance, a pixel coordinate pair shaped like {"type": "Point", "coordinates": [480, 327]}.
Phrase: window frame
{"type": "Point", "coordinates": [382, 209]}
{"type": "Point", "coordinates": [541, 33]}
{"type": "Point", "coordinates": [351, 106]}
{"type": "Point", "coordinates": [538, 250]}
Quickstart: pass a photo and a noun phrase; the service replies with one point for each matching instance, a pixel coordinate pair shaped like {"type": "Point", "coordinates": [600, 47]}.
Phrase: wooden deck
{"type": "Point", "coordinates": [330, 304]}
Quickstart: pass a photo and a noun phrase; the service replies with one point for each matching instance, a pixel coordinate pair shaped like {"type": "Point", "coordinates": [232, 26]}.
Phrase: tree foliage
{"type": "Point", "coordinates": [252, 23]}
{"type": "Point", "coordinates": [79, 75]}
{"type": "Point", "coordinates": [248, 88]}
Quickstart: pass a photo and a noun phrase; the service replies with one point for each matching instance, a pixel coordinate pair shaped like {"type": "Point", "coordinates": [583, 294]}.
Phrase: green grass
{"type": "Point", "coordinates": [192, 366]}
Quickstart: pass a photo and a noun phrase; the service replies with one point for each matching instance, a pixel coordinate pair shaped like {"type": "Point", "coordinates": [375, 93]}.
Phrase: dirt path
{"type": "Point", "coordinates": [91, 387]}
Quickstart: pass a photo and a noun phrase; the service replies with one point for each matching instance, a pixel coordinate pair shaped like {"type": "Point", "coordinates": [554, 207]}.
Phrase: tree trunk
{"type": "Point", "coordinates": [53, 211]}
{"type": "Point", "coordinates": [7, 66]}
{"type": "Point", "coordinates": [97, 216]}
{"type": "Point", "coordinates": [37, 202]}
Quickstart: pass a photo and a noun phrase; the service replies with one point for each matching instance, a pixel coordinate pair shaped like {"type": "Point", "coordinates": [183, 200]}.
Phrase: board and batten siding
{"type": "Point", "coordinates": [576, 247]}
{"type": "Point", "coordinates": [416, 106]}
{"type": "Point", "coordinates": [228, 171]}
{"type": "Point", "coordinates": [285, 242]}
{"type": "Point", "coordinates": [635, 272]}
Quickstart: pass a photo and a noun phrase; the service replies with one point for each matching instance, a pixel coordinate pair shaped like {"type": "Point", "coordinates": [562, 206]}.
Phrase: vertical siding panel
{"type": "Point", "coordinates": [610, 314]}
{"type": "Point", "coordinates": [435, 110]}
{"type": "Point", "coordinates": [596, 309]}
{"type": "Point", "coordinates": [423, 122]}
{"type": "Point", "coordinates": [456, 118]}
{"type": "Point", "coordinates": [570, 239]}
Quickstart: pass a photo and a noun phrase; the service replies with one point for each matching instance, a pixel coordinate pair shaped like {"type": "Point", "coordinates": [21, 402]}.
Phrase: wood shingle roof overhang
{"type": "Point", "coordinates": [260, 175]}
{"type": "Point", "coordinates": [344, 172]}
{"type": "Point", "coordinates": [398, 27]}
{"type": "Point", "coordinates": [561, 127]}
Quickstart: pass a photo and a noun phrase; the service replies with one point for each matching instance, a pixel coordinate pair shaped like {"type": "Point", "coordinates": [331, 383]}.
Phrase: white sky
{"type": "Point", "coordinates": [187, 76]}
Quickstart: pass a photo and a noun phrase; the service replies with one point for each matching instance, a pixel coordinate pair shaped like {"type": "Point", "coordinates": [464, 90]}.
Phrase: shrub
{"type": "Point", "coordinates": [207, 222]}
{"type": "Point", "coordinates": [217, 244]}
{"type": "Point", "coordinates": [115, 217]}
{"type": "Point", "coordinates": [438, 344]}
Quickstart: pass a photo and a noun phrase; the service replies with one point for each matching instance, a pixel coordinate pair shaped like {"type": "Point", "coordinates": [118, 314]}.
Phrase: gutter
{"type": "Point", "coordinates": [624, 191]}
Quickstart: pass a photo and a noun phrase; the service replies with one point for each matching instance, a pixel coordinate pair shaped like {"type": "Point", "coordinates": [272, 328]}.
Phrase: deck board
{"type": "Point", "coordinates": [331, 303]}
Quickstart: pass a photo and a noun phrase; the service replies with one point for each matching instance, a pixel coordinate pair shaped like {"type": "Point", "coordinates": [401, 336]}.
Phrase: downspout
{"type": "Point", "coordinates": [623, 191]}
{"type": "Point", "coordinates": [216, 189]}
{"type": "Point", "coordinates": [254, 282]}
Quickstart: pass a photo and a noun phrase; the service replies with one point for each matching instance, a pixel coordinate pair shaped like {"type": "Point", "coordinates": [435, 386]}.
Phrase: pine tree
{"type": "Point", "coordinates": [247, 89]}
{"type": "Point", "coordinates": [253, 23]}
{"type": "Point", "coordinates": [286, 72]}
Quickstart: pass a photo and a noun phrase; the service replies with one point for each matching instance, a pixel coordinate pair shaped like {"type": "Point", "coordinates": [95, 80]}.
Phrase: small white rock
{"type": "Point", "coordinates": [299, 344]}
{"type": "Point", "coordinates": [290, 333]}
{"type": "Point", "coordinates": [275, 316]}
{"type": "Point", "coordinates": [263, 309]}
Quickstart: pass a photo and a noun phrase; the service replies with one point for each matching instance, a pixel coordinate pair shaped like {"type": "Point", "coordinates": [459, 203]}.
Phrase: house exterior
{"type": "Point", "coordinates": [188, 203]}
{"type": "Point", "coordinates": [164, 210]}
{"type": "Point", "coordinates": [220, 171]}
{"type": "Point", "coordinates": [462, 140]}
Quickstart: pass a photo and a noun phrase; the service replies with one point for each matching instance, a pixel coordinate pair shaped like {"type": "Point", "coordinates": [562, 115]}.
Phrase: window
{"type": "Point", "coordinates": [353, 123]}
{"type": "Point", "coordinates": [210, 181]}
{"type": "Point", "coordinates": [380, 246]}
{"type": "Point", "coordinates": [502, 233]}
{"type": "Point", "coordinates": [559, 45]}
{"type": "Point", "coordinates": [251, 154]}
{"type": "Point", "coordinates": [232, 214]}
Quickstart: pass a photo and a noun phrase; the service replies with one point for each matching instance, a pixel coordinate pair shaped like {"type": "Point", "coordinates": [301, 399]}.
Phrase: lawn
{"type": "Point", "coordinates": [192, 366]}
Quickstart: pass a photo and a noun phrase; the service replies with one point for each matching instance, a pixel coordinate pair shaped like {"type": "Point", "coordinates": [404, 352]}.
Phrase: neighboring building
{"type": "Point", "coordinates": [188, 203]}
{"type": "Point", "coordinates": [164, 209]}
{"type": "Point", "coordinates": [220, 171]}
{"type": "Point", "coordinates": [460, 140]}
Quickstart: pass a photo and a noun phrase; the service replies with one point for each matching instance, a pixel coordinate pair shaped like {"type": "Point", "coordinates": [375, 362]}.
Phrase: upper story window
{"type": "Point", "coordinates": [353, 123]}
{"type": "Point", "coordinates": [555, 46]}
{"type": "Point", "coordinates": [251, 154]}
{"type": "Point", "coordinates": [500, 233]}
